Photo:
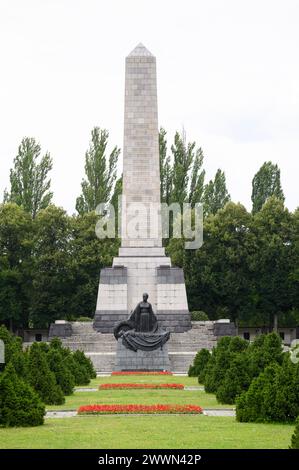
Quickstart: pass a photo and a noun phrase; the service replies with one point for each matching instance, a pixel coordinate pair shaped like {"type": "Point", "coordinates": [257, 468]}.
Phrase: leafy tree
{"type": "Point", "coordinates": [217, 275]}
{"type": "Point", "coordinates": [215, 194]}
{"type": "Point", "coordinates": [266, 183]}
{"type": "Point", "coordinates": [15, 264]}
{"type": "Point", "coordinates": [197, 179]}
{"type": "Point", "coordinates": [29, 183]}
{"type": "Point", "coordinates": [20, 405]}
{"type": "Point", "coordinates": [274, 261]}
{"type": "Point", "coordinates": [182, 176]}
{"type": "Point", "coordinates": [88, 255]}
{"type": "Point", "coordinates": [42, 379]}
{"type": "Point", "coordinates": [100, 172]}
{"type": "Point", "coordinates": [183, 157]}
{"type": "Point", "coordinates": [53, 276]}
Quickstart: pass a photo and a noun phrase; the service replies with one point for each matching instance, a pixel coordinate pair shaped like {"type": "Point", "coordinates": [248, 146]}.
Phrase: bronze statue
{"type": "Point", "coordinates": [141, 330]}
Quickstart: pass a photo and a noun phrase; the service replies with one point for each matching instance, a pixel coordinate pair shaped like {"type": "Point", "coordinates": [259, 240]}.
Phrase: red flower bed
{"type": "Point", "coordinates": [143, 409]}
{"type": "Point", "coordinates": [162, 372]}
{"type": "Point", "coordinates": [124, 386]}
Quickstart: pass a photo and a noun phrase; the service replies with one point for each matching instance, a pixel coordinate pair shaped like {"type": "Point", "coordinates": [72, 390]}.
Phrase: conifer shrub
{"type": "Point", "coordinates": [12, 343]}
{"type": "Point", "coordinates": [85, 362]}
{"type": "Point", "coordinates": [20, 405]}
{"type": "Point", "coordinates": [199, 365]}
{"type": "Point", "coordinates": [217, 365]}
{"type": "Point", "coordinates": [19, 360]}
{"type": "Point", "coordinates": [78, 371]}
{"type": "Point", "coordinates": [295, 436]}
{"type": "Point", "coordinates": [63, 375]}
{"type": "Point", "coordinates": [235, 381]}
{"type": "Point", "coordinates": [273, 396]}
{"type": "Point", "coordinates": [42, 379]}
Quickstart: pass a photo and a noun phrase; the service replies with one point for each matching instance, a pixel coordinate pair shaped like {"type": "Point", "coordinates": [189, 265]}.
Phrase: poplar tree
{"type": "Point", "coordinates": [29, 182]}
{"type": "Point", "coordinates": [100, 171]}
{"type": "Point", "coordinates": [266, 183]}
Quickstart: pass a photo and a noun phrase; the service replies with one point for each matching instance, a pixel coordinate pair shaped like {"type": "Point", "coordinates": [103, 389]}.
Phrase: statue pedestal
{"type": "Point", "coordinates": [127, 360]}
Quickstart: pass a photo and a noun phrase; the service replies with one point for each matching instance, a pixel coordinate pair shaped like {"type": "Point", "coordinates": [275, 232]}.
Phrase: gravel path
{"type": "Point", "coordinates": [84, 389]}
{"type": "Point", "coordinates": [61, 414]}
{"type": "Point", "coordinates": [219, 412]}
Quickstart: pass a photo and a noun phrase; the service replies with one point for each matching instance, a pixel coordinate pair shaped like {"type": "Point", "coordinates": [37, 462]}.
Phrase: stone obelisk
{"type": "Point", "coordinates": [141, 265]}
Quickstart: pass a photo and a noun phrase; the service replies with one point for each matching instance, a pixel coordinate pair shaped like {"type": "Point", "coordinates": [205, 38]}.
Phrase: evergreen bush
{"type": "Point", "coordinates": [295, 436]}
{"type": "Point", "coordinates": [78, 371]}
{"type": "Point", "coordinates": [199, 365]}
{"type": "Point", "coordinates": [272, 396]}
{"type": "Point", "coordinates": [235, 381]}
{"type": "Point", "coordinates": [199, 315]}
{"type": "Point", "coordinates": [20, 405]}
{"type": "Point", "coordinates": [12, 343]}
{"type": "Point", "coordinates": [85, 362]}
{"type": "Point", "coordinates": [42, 379]}
{"type": "Point", "coordinates": [64, 377]}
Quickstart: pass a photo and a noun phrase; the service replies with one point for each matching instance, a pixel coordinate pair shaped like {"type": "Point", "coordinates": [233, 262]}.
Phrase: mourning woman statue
{"type": "Point", "coordinates": [141, 330]}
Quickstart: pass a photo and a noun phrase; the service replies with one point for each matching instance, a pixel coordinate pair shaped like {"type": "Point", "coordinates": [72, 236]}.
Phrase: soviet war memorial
{"type": "Point", "coordinates": [149, 311]}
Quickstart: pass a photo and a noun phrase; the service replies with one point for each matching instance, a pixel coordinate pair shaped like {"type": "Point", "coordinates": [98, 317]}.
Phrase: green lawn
{"type": "Point", "coordinates": [146, 432]}
{"type": "Point", "coordinates": [146, 397]}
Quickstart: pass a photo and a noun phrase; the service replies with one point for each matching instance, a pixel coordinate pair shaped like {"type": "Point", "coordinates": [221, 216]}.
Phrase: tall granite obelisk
{"type": "Point", "coordinates": [141, 265]}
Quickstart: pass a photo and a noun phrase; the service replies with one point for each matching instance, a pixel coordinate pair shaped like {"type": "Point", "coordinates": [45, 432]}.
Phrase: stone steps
{"type": "Point", "coordinates": [101, 347]}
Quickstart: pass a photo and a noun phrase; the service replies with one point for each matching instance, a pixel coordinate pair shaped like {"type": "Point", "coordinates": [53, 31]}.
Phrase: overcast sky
{"type": "Point", "coordinates": [228, 72]}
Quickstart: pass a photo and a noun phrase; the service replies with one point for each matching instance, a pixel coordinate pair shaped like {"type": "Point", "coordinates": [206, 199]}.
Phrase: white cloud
{"type": "Point", "coordinates": [227, 71]}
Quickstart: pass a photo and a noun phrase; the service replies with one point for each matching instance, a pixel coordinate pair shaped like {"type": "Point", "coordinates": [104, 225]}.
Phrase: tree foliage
{"type": "Point", "coordinates": [266, 183]}
{"type": "Point", "coordinates": [215, 194]}
{"type": "Point", "coordinates": [100, 172]}
{"type": "Point", "coordinates": [29, 183]}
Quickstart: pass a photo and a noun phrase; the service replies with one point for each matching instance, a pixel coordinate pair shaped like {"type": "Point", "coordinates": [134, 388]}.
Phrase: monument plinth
{"type": "Point", "coordinates": [141, 265]}
{"type": "Point", "coordinates": [141, 342]}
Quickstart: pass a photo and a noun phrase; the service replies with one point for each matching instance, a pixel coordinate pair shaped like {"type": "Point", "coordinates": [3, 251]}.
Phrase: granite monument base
{"type": "Point", "coordinates": [127, 360]}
